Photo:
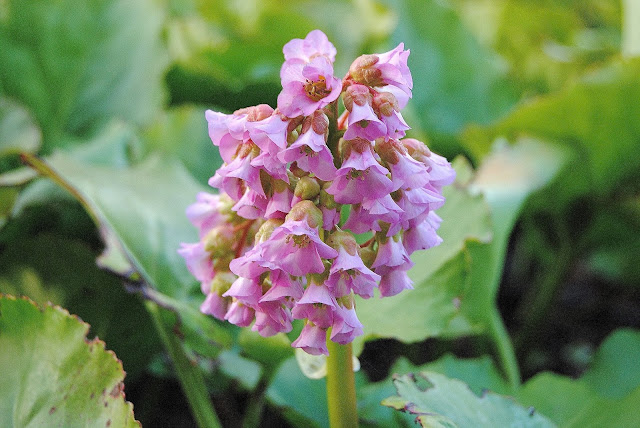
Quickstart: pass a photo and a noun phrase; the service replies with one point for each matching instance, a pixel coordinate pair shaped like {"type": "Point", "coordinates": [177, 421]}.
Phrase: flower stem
{"type": "Point", "coordinates": [189, 374]}
{"type": "Point", "coordinates": [341, 388]}
{"type": "Point", "coordinates": [504, 348]}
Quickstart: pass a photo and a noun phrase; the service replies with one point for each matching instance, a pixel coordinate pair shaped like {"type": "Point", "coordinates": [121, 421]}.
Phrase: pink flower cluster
{"type": "Point", "coordinates": [277, 242]}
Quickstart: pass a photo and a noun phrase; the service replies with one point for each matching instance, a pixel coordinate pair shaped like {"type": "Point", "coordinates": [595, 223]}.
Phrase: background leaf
{"type": "Point", "coordinates": [76, 64]}
{"type": "Point", "coordinates": [50, 375]}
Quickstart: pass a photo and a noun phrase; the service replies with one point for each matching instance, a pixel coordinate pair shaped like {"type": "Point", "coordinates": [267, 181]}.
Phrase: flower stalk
{"type": "Point", "coordinates": [341, 389]}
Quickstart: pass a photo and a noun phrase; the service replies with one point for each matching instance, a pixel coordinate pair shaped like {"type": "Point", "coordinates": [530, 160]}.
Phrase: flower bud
{"type": "Point", "coordinates": [341, 238]}
{"type": "Point", "coordinates": [358, 94]}
{"type": "Point", "coordinates": [307, 188]}
{"type": "Point", "coordinates": [326, 199]}
{"type": "Point", "coordinates": [222, 282]}
{"type": "Point", "coordinates": [385, 103]}
{"type": "Point", "coordinates": [362, 71]}
{"type": "Point", "coordinates": [219, 241]}
{"type": "Point", "coordinates": [267, 229]}
{"type": "Point", "coordinates": [305, 210]}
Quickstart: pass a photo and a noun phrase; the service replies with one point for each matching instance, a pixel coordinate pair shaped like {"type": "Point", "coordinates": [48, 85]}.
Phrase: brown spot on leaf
{"type": "Point", "coordinates": [108, 422]}
{"type": "Point", "coordinates": [52, 410]}
{"type": "Point", "coordinates": [117, 390]}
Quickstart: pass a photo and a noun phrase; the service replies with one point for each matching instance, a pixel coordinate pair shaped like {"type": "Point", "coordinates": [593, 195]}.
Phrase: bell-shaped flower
{"type": "Point", "coordinates": [297, 249]}
{"type": "Point", "coordinates": [395, 281]}
{"type": "Point", "coordinates": [317, 305]}
{"type": "Point", "coordinates": [240, 314]}
{"type": "Point", "coordinates": [362, 120]}
{"type": "Point", "coordinates": [360, 176]}
{"type": "Point", "coordinates": [347, 327]}
{"type": "Point", "coordinates": [310, 151]}
{"type": "Point", "coordinates": [348, 273]}
{"type": "Point", "coordinates": [312, 339]}
{"type": "Point", "coordinates": [272, 318]}
{"type": "Point", "coordinates": [389, 68]}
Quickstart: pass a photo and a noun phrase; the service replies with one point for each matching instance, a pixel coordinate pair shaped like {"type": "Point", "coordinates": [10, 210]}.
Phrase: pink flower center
{"type": "Point", "coordinates": [300, 241]}
{"type": "Point", "coordinates": [317, 89]}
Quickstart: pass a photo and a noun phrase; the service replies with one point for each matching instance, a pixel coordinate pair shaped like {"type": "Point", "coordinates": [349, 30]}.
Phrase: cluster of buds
{"type": "Point", "coordinates": [277, 243]}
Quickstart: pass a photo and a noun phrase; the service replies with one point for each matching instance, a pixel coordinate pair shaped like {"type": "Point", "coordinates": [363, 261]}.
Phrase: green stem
{"type": "Point", "coordinates": [537, 303]}
{"type": "Point", "coordinates": [341, 387]}
{"type": "Point", "coordinates": [253, 412]}
{"type": "Point", "coordinates": [504, 348]}
{"type": "Point", "coordinates": [188, 373]}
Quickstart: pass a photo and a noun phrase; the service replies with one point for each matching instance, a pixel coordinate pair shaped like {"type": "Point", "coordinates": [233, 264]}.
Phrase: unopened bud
{"type": "Point", "coordinates": [341, 238]}
{"type": "Point", "coordinates": [259, 112]}
{"type": "Point", "coordinates": [385, 103]}
{"type": "Point", "coordinates": [218, 241]}
{"type": "Point", "coordinates": [267, 229]}
{"type": "Point", "coordinates": [222, 282]}
{"type": "Point", "coordinates": [326, 199]}
{"type": "Point", "coordinates": [362, 71]}
{"type": "Point", "coordinates": [307, 188]}
{"type": "Point", "coordinates": [305, 210]}
{"type": "Point", "coordinates": [358, 94]}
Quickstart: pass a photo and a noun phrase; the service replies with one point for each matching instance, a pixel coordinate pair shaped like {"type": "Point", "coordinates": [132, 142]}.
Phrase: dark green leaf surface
{"type": "Point", "coordinates": [50, 375]}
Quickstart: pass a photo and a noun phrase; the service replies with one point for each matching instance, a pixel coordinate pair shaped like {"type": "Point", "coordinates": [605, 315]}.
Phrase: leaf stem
{"type": "Point", "coordinates": [504, 348]}
{"type": "Point", "coordinates": [188, 373]}
{"type": "Point", "coordinates": [256, 401]}
{"type": "Point", "coordinates": [341, 388]}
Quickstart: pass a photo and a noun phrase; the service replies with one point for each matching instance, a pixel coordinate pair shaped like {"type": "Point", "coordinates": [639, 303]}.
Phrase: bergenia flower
{"type": "Point", "coordinates": [361, 175]}
{"type": "Point", "coordinates": [307, 87]}
{"type": "Point", "coordinates": [315, 44]}
{"type": "Point", "coordinates": [310, 151]}
{"type": "Point", "coordinates": [389, 68]}
{"type": "Point", "coordinates": [276, 246]}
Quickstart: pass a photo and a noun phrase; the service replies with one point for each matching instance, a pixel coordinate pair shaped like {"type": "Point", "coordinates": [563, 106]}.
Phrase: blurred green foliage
{"type": "Point", "coordinates": [106, 100]}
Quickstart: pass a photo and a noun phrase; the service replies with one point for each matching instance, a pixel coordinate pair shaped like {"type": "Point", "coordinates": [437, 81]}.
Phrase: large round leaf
{"type": "Point", "coordinates": [51, 375]}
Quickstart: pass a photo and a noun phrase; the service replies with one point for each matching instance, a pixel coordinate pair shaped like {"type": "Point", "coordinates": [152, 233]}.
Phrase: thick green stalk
{"type": "Point", "coordinates": [341, 387]}
{"type": "Point", "coordinates": [506, 353]}
{"type": "Point", "coordinates": [189, 374]}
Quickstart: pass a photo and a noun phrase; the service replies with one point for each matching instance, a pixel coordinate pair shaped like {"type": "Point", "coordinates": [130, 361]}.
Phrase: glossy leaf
{"type": "Point", "coordinates": [590, 117]}
{"type": "Point", "coordinates": [144, 208]}
{"type": "Point", "coordinates": [76, 64]}
{"type": "Point", "coordinates": [460, 81]}
{"type": "Point", "coordinates": [442, 402]}
{"type": "Point", "coordinates": [51, 375]}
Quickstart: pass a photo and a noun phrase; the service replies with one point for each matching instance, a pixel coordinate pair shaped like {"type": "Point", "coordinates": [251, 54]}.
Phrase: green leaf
{"type": "Point", "coordinates": [31, 268]}
{"type": "Point", "coordinates": [181, 132]}
{"type": "Point", "coordinates": [18, 132]}
{"type": "Point", "coordinates": [606, 395]}
{"type": "Point", "coordinates": [144, 208]}
{"type": "Point", "coordinates": [75, 63]}
{"type": "Point", "coordinates": [480, 374]}
{"type": "Point", "coordinates": [590, 117]}
{"type": "Point", "coordinates": [610, 373]}
{"type": "Point", "coordinates": [50, 375]}
{"type": "Point", "coordinates": [559, 397]}
{"type": "Point", "coordinates": [442, 402]}
{"type": "Point", "coordinates": [307, 407]}
{"type": "Point", "coordinates": [460, 80]}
